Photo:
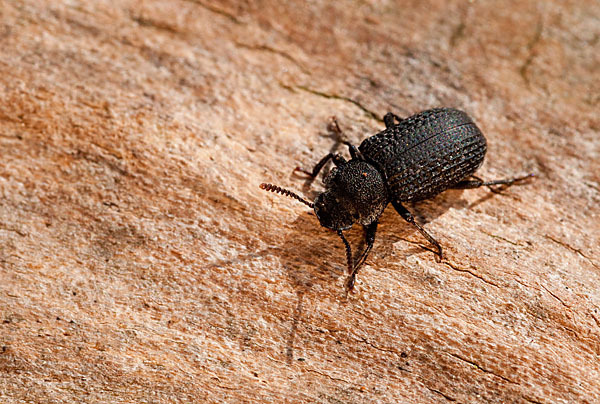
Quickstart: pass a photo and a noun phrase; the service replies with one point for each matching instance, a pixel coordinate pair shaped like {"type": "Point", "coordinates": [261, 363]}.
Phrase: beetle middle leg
{"type": "Point", "coordinates": [406, 215]}
{"type": "Point", "coordinates": [477, 182]}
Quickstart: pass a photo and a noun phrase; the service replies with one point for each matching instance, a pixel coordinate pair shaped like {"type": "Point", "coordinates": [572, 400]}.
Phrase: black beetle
{"type": "Point", "coordinates": [411, 160]}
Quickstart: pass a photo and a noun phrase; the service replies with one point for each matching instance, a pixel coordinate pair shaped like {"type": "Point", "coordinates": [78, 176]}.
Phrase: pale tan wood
{"type": "Point", "coordinates": [140, 262]}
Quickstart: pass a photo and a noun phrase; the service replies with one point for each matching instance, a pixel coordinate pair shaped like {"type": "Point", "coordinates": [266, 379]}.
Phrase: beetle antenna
{"type": "Point", "coordinates": [285, 192]}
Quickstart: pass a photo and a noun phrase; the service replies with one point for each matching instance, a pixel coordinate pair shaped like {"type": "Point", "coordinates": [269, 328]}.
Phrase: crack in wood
{"type": "Point", "coordinates": [555, 296]}
{"type": "Point", "coordinates": [502, 238]}
{"type": "Point", "coordinates": [523, 70]}
{"type": "Point", "coordinates": [233, 18]}
{"type": "Point", "coordinates": [151, 23]}
{"type": "Point", "coordinates": [13, 230]}
{"type": "Point", "coordinates": [278, 52]}
{"type": "Point", "coordinates": [366, 341]}
{"type": "Point", "coordinates": [307, 89]}
{"type": "Point", "coordinates": [456, 268]}
{"type": "Point", "coordinates": [447, 397]}
{"type": "Point", "coordinates": [575, 250]}
{"type": "Point", "coordinates": [328, 376]}
{"type": "Point", "coordinates": [481, 368]}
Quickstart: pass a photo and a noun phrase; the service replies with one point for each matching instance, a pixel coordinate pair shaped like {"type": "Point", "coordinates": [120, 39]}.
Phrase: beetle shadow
{"type": "Point", "coordinates": [393, 228]}
{"type": "Point", "coordinates": [426, 212]}
{"type": "Point", "coordinates": [314, 256]}
{"type": "Point", "coordinates": [308, 255]}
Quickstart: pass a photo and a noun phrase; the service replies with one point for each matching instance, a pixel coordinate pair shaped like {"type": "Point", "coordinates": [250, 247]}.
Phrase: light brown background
{"type": "Point", "coordinates": [140, 262]}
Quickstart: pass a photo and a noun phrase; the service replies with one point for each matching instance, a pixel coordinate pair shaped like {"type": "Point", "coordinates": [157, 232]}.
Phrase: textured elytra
{"type": "Point", "coordinates": [426, 153]}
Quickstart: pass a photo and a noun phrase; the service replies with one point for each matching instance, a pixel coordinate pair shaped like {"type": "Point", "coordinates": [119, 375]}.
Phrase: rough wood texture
{"type": "Point", "coordinates": [140, 262]}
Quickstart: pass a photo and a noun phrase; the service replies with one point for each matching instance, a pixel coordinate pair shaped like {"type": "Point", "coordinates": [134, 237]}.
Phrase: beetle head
{"type": "Point", "coordinates": [331, 212]}
{"type": "Point", "coordinates": [356, 192]}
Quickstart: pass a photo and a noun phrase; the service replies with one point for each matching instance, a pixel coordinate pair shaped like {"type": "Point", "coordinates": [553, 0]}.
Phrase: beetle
{"type": "Point", "coordinates": [411, 160]}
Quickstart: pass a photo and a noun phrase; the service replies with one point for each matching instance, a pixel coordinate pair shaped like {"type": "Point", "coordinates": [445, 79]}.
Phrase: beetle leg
{"type": "Point", "coordinates": [348, 250]}
{"type": "Point", "coordinates": [406, 215]}
{"type": "Point", "coordinates": [370, 231]}
{"type": "Point", "coordinates": [389, 118]}
{"type": "Point", "coordinates": [337, 160]}
{"type": "Point", "coordinates": [477, 182]}
{"type": "Point", "coordinates": [336, 157]}
{"type": "Point", "coordinates": [354, 152]}
{"type": "Point", "coordinates": [334, 126]}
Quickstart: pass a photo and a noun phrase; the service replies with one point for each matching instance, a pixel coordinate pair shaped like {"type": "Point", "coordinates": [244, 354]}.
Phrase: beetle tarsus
{"type": "Point", "coordinates": [350, 283]}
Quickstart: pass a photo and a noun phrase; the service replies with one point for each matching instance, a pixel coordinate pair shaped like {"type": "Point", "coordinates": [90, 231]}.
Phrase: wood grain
{"type": "Point", "coordinates": [140, 261]}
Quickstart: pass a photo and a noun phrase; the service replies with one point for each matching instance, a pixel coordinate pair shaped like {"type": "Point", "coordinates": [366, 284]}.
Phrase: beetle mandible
{"type": "Point", "coordinates": [412, 159]}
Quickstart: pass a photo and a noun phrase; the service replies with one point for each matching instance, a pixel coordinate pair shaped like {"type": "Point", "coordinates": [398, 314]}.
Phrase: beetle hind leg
{"type": "Point", "coordinates": [477, 182]}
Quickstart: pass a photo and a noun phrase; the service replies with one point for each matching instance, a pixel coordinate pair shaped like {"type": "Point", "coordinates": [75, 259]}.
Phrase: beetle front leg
{"type": "Point", "coordinates": [406, 215]}
{"type": "Point", "coordinates": [334, 126]}
{"type": "Point", "coordinates": [337, 160]}
{"type": "Point", "coordinates": [370, 231]}
{"type": "Point", "coordinates": [316, 168]}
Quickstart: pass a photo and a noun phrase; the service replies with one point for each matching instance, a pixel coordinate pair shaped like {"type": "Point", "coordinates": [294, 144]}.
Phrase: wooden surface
{"type": "Point", "coordinates": [140, 262]}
